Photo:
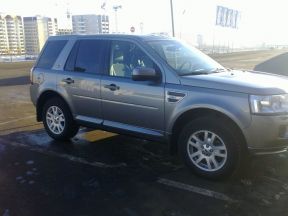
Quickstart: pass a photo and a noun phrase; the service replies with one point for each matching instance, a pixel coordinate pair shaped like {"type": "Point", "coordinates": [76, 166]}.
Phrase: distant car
{"type": "Point", "coordinates": [160, 89]}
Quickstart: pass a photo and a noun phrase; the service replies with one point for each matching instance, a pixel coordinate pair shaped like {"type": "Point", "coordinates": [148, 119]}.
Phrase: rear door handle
{"type": "Point", "coordinates": [68, 80]}
{"type": "Point", "coordinates": [112, 87]}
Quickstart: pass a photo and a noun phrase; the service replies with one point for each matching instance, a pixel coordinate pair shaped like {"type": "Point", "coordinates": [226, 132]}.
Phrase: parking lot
{"type": "Point", "coordinates": [100, 173]}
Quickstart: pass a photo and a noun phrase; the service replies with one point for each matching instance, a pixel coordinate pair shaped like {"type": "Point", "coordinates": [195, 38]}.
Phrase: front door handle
{"type": "Point", "coordinates": [68, 80]}
{"type": "Point", "coordinates": [112, 87]}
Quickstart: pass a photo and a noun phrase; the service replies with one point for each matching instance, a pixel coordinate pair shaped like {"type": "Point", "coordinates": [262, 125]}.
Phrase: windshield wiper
{"type": "Point", "coordinates": [202, 72]}
{"type": "Point", "coordinates": [195, 73]}
{"type": "Point", "coordinates": [218, 70]}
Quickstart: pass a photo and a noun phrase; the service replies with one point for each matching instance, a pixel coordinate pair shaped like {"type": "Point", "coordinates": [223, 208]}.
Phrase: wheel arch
{"type": "Point", "coordinates": [195, 113]}
{"type": "Point", "coordinates": [46, 95]}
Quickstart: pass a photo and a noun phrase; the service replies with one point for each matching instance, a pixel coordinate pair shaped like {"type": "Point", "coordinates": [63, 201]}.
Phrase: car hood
{"type": "Point", "coordinates": [250, 82]}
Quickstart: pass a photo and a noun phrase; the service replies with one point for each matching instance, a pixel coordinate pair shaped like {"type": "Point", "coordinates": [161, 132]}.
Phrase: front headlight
{"type": "Point", "coordinates": [273, 104]}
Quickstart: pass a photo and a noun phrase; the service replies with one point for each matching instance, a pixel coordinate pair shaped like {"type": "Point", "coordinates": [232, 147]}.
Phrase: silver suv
{"type": "Point", "coordinates": [160, 89]}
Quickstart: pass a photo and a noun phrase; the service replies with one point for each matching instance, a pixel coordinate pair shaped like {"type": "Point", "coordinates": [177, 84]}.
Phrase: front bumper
{"type": "Point", "coordinates": [267, 134]}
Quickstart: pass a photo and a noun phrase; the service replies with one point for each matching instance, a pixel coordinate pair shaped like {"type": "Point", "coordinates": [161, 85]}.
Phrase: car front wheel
{"type": "Point", "coordinates": [210, 147]}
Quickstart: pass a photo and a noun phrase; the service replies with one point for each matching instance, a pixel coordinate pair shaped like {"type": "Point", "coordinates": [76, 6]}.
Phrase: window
{"type": "Point", "coordinates": [50, 53]}
{"type": "Point", "coordinates": [185, 60]}
{"type": "Point", "coordinates": [126, 56]}
{"type": "Point", "coordinates": [70, 63]}
{"type": "Point", "coordinates": [87, 56]}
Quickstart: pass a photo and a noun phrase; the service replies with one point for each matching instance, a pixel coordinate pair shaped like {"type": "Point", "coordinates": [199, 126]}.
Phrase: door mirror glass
{"type": "Point", "coordinates": [144, 74]}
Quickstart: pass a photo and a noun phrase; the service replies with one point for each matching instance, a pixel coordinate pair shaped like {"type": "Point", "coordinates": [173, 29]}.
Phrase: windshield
{"type": "Point", "coordinates": [185, 60]}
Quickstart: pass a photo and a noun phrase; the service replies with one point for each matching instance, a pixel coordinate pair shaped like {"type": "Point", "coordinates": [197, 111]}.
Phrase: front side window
{"type": "Point", "coordinates": [185, 60]}
{"type": "Point", "coordinates": [125, 57]}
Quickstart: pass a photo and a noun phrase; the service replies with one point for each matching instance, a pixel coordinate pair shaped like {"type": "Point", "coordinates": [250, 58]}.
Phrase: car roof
{"type": "Point", "coordinates": [112, 36]}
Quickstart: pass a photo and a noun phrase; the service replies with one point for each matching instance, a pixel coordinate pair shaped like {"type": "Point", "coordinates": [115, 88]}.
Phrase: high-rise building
{"type": "Point", "coordinates": [52, 26]}
{"type": "Point", "coordinates": [4, 46]}
{"type": "Point", "coordinates": [37, 29]}
{"type": "Point", "coordinates": [64, 31]}
{"type": "Point", "coordinates": [11, 35]}
{"type": "Point", "coordinates": [90, 24]}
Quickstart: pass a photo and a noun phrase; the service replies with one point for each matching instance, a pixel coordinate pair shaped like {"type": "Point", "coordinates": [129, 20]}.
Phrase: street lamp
{"type": "Point", "coordinates": [141, 27]}
{"type": "Point", "coordinates": [116, 7]}
{"type": "Point", "coordinates": [172, 18]}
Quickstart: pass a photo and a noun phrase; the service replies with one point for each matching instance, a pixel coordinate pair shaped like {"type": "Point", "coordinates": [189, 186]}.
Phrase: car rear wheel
{"type": "Point", "coordinates": [58, 120]}
{"type": "Point", "coordinates": [210, 147]}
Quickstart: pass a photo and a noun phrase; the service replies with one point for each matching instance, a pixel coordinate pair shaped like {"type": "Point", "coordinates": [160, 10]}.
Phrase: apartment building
{"type": "Point", "coordinates": [11, 35]}
{"type": "Point", "coordinates": [3, 36]}
{"type": "Point", "coordinates": [37, 29]}
{"type": "Point", "coordinates": [90, 24]}
{"type": "Point", "coordinates": [64, 31]}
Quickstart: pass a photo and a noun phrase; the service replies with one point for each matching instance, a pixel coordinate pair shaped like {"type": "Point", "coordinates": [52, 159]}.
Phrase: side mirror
{"type": "Point", "coordinates": [144, 74]}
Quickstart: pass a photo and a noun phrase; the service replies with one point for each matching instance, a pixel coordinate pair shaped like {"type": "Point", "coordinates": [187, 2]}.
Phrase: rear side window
{"type": "Point", "coordinates": [87, 56]}
{"type": "Point", "coordinates": [50, 53]}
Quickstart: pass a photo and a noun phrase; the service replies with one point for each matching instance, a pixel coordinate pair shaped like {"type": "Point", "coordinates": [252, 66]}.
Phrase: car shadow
{"type": "Point", "coordinates": [111, 149]}
{"type": "Point", "coordinates": [138, 154]}
{"type": "Point", "coordinates": [277, 65]}
{"type": "Point", "coordinates": [23, 80]}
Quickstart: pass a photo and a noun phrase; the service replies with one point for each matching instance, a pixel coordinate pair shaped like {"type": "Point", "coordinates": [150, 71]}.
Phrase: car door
{"type": "Point", "coordinates": [80, 81]}
{"type": "Point", "coordinates": [132, 105]}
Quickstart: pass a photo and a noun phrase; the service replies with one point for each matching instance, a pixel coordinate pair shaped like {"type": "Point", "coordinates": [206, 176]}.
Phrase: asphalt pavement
{"type": "Point", "coordinates": [99, 173]}
{"type": "Point", "coordinates": [277, 64]}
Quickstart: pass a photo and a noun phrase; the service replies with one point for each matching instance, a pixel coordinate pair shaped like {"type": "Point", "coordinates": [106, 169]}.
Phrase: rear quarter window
{"type": "Point", "coordinates": [50, 53]}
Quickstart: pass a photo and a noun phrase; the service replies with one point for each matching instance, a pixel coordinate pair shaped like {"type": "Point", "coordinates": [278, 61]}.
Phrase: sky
{"type": "Point", "coordinates": [261, 21]}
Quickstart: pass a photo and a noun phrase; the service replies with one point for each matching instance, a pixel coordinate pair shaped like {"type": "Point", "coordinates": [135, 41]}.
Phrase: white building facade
{"type": "Point", "coordinates": [37, 29]}
{"type": "Point", "coordinates": [64, 31]}
{"type": "Point", "coordinates": [11, 35]}
{"type": "Point", "coordinates": [90, 24]}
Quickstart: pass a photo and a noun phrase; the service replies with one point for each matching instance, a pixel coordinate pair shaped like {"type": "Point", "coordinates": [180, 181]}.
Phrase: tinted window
{"type": "Point", "coordinates": [70, 64]}
{"type": "Point", "coordinates": [50, 53]}
{"type": "Point", "coordinates": [90, 56]}
{"type": "Point", "coordinates": [126, 56]}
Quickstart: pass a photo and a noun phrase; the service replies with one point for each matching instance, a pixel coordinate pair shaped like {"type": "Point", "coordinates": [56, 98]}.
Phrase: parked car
{"type": "Point", "coordinates": [159, 88]}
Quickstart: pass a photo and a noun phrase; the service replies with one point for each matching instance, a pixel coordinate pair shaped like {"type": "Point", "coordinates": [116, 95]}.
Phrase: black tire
{"type": "Point", "coordinates": [70, 127]}
{"type": "Point", "coordinates": [227, 134]}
